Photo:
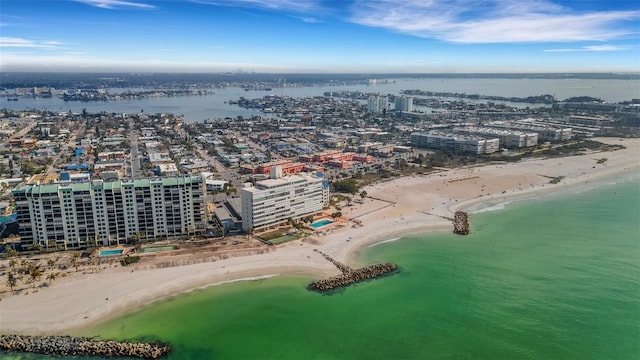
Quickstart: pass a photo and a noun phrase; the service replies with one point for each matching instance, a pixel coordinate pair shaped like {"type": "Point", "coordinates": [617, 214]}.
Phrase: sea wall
{"type": "Point", "coordinates": [349, 276]}
{"type": "Point", "coordinates": [354, 276]}
{"type": "Point", "coordinates": [78, 346]}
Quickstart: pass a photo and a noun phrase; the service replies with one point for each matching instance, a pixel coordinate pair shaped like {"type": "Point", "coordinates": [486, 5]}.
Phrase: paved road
{"type": "Point", "coordinates": [134, 156]}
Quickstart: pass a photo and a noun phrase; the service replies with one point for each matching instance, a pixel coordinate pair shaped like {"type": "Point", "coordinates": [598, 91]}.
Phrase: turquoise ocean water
{"type": "Point", "coordinates": [557, 278]}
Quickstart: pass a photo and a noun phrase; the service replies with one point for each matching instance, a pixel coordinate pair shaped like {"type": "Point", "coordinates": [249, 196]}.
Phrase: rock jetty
{"type": "Point", "coordinates": [350, 276]}
{"type": "Point", "coordinates": [461, 223]}
{"type": "Point", "coordinates": [79, 346]}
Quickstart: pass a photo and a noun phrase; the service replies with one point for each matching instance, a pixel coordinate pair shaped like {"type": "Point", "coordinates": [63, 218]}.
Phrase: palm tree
{"type": "Point", "coordinates": [363, 194]}
{"type": "Point", "coordinates": [11, 280]}
{"type": "Point", "coordinates": [24, 266]}
{"type": "Point", "coordinates": [52, 276]}
{"type": "Point", "coordinates": [35, 273]}
{"type": "Point", "coordinates": [74, 260]}
{"type": "Point", "coordinates": [12, 264]}
{"type": "Point", "coordinates": [9, 251]}
{"type": "Point", "coordinates": [51, 263]}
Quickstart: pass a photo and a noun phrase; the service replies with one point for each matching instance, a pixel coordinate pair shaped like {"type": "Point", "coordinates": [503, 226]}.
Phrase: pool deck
{"type": "Point", "coordinates": [333, 223]}
{"type": "Point", "coordinates": [125, 250]}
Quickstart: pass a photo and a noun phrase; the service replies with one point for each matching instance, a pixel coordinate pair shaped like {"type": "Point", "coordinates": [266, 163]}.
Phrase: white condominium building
{"type": "Point", "coordinates": [508, 138]}
{"type": "Point", "coordinates": [377, 103]}
{"type": "Point", "coordinates": [77, 215]}
{"type": "Point", "coordinates": [404, 103]}
{"type": "Point", "coordinates": [455, 142]}
{"type": "Point", "coordinates": [280, 198]}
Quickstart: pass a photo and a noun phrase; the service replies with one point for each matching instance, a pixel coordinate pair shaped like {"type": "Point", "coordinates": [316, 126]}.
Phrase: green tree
{"type": "Point", "coordinates": [35, 273]}
{"type": "Point", "coordinates": [74, 260]}
{"type": "Point", "coordinates": [51, 277]}
{"type": "Point", "coordinates": [11, 280]}
{"type": "Point", "coordinates": [346, 186]}
{"type": "Point", "coordinates": [10, 252]}
{"type": "Point", "coordinates": [24, 267]}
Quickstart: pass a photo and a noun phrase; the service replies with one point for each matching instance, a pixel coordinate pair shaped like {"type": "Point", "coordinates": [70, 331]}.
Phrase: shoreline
{"type": "Point", "coordinates": [419, 201]}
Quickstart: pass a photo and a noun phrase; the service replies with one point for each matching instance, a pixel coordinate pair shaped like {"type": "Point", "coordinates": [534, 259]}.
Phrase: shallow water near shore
{"type": "Point", "coordinates": [553, 278]}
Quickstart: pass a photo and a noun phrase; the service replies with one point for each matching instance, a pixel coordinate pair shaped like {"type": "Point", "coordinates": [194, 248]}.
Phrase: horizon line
{"type": "Point", "coordinates": [328, 73]}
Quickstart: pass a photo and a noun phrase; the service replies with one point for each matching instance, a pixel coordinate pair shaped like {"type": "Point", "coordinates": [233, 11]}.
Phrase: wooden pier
{"type": "Point", "coordinates": [350, 276]}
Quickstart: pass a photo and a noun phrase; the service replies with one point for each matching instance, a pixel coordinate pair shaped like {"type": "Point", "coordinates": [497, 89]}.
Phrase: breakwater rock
{"type": "Point", "coordinates": [350, 276]}
{"type": "Point", "coordinates": [74, 346]}
{"type": "Point", "coordinates": [461, 223]}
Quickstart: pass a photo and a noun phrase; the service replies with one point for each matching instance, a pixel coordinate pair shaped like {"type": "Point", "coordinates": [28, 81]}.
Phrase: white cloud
{"type": "Point", "coordinates": [78, 62]}
{"type": "Point", "coordinates": [492, 21]}
{"type": "Point", "coordinates": [10, 42]}
{"type": "Point", "coordinates": [116, 4]}
{"type": "Point", "coordinates": [309, 20]}
{"type": "Point", "coordinates": [591, 48]}
{"type": "Point", "coordinates": [285, 5]}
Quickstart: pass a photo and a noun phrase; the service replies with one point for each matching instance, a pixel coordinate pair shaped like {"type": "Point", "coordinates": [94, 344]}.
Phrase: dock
{"type": "Point", "coordinates": [350, 276]}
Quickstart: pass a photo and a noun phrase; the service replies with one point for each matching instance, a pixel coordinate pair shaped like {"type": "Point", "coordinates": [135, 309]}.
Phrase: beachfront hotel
{"type": "Point", "coordinates": [455, 142]}
{"type": "Point", "coordinates": [276, 200]}
{"type": "Point", "coordinates": [102, 213]}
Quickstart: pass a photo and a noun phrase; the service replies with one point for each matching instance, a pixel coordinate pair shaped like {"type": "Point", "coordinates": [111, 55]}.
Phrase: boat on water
{"type": "Point", "coordinates": [12, 99]}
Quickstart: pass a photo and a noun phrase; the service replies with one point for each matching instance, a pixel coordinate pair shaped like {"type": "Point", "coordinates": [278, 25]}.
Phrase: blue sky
{"type": "Point", "coordinates": [390, 36]}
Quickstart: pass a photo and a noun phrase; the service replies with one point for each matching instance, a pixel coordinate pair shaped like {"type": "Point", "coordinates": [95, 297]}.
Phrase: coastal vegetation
{"type": "Point", "coordinates": [349, 186]}
{"type": "Point", "coordinates": [128, 260]}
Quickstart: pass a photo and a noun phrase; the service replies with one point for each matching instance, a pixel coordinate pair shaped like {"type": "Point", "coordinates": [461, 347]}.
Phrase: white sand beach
{"type": "Point", "coordinates": [394, 209]}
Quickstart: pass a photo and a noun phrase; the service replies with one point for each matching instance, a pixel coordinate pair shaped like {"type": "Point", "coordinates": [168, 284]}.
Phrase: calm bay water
{"type": "Point", "coordinates": [556, 278]}
{"type": "Point", "coordinates": [214, 106]}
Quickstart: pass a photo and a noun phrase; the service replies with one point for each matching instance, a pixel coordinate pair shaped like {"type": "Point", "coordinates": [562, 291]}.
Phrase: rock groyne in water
{"type": "Point", "coordinates": [461, 223]}
{"type": "Point", "coordinates": [350, 276]}
{"type": "Point", "coordinates": [79, 346]}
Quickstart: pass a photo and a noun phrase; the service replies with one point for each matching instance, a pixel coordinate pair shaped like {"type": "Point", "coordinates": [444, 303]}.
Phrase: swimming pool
{"type": "Point", "coordinates": [321, 223]}
{"type": "Point", "coordinates": [111, 252]}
